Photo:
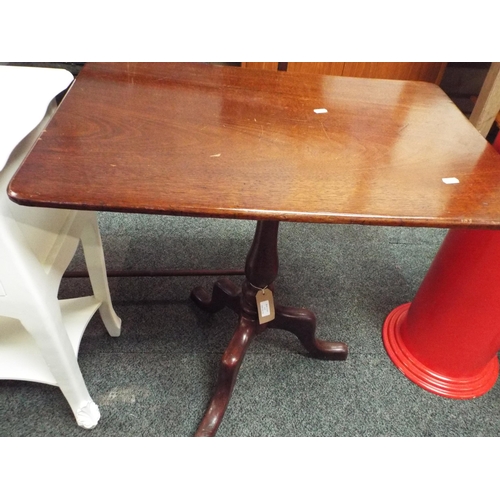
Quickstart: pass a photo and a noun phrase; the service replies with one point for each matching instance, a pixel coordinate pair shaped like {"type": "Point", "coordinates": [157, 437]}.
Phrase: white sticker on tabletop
{"type": "Point", "coordinates": [450, 180]}
{"type": "Point", "coordinates": [320, 111]}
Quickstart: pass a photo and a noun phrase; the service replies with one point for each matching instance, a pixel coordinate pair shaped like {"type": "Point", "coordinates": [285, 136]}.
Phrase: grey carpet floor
{"type": "Point", "coordinates": [156, 378]}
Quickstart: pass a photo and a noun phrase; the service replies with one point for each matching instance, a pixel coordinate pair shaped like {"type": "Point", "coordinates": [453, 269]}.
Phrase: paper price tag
{"type": "Point", "coordinates": [265, 305]}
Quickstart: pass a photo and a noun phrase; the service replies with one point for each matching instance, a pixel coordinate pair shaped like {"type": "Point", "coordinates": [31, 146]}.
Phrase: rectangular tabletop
{"type": "Point", "coordinates": [204, 140]}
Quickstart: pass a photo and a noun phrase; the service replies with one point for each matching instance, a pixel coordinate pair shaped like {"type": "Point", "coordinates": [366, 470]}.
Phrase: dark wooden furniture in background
{"type": "Point", "coordinates": [218, 141]}
{"type": "Point", "coordinates": [421, 71]}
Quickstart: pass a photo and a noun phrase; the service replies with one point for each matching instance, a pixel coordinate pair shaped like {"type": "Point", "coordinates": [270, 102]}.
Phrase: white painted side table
{"type": "Point", "coordinates": [39, 334]}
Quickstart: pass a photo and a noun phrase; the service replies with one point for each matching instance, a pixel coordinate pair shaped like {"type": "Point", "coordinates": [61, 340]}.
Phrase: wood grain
{"type": "Point", "coordinates": [321, 68]}
{"type": "Point", "coordinates": [272, 66]}
{"type": "Point", "coordinates": [419, 71]}
{"type": "Point", "coordinates": [204, 140]}
{"type": "Point", "coordinates": [487, 107]}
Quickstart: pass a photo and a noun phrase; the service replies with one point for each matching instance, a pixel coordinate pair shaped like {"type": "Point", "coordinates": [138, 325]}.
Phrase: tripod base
{"type": "Point", "coordinates": [261, 270]}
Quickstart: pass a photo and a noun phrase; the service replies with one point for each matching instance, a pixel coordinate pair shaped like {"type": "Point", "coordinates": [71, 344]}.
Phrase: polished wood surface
{"type": "Point", "coordinates": [198, 139]}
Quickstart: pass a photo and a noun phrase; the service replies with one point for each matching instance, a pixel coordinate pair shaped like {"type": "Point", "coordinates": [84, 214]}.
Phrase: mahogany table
{"type": "Point", "coordinates": [214, 141]}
